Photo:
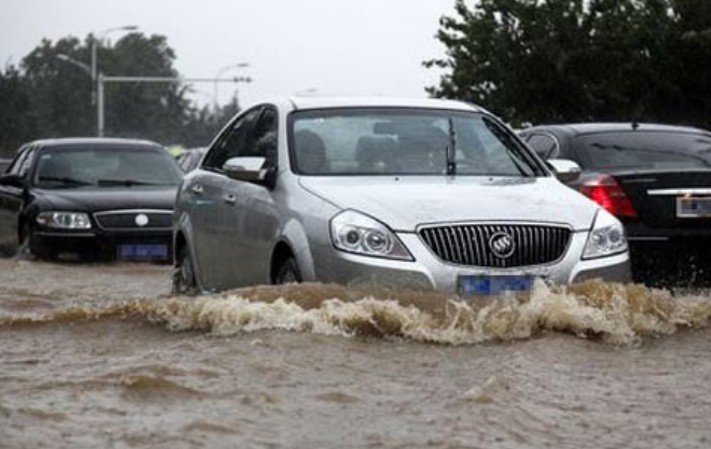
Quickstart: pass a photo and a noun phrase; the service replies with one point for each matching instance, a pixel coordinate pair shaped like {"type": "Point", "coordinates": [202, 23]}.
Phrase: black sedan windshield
{"type": "Point", "coordinates": [647, 150]}
{"type": "Point", "coordinates": [105, 167]}
{"type": "Point", "coordinates": [380, 141]}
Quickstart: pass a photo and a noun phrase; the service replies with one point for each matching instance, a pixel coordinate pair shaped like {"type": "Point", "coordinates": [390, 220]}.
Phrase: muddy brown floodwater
{"type": "Point", "coordinates": [100, 356]}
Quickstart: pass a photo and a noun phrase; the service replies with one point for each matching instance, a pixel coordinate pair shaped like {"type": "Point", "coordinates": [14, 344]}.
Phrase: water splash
{"type": "Point", "coordinates": [615, 313]}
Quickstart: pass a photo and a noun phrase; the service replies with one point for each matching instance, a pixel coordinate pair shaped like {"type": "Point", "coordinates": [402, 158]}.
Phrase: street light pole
{"type": "Point", "coordinates": [100, 106]}
{"type": "Point", "coordinates": [95, 44]}
{"type": "Point", "coordinates": [240, 65]}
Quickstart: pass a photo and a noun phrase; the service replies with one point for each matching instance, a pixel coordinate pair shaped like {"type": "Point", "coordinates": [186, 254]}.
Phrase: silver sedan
{"type": "Point", "coordinates": [431, 194]}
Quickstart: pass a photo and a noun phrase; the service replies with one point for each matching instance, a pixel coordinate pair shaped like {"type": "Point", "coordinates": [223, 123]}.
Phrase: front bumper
{"type": "Point", "coordinates": [429, 272]}
{"type": "Point", "coordinates": [110, 245]}
{"type": "Point", "coordinates": [672, 260]}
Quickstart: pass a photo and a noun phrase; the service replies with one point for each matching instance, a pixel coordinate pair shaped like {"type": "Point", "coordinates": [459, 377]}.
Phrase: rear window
{"type": "Point", "coordinates": [646, 150]}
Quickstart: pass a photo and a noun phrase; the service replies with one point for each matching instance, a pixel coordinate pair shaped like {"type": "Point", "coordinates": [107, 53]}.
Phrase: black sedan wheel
{"type": "Point", "coordinates": [29, 250]}
{"type": "Point", "coordinates": [288, 272]}
{"type": "Point", "coordinates": [184, 282]}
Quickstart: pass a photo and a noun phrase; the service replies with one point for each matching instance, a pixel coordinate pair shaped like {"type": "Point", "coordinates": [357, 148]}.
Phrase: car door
{"type": "Point", "coordinates": [12, 200]}
{"type": "Point", "coordinates": [250, 209]}
{"type": "Point", "coordinates": [205, 189]}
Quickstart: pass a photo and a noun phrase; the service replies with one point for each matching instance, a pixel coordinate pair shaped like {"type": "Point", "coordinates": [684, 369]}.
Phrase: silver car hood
{"type": "Point", "coordinates": [405, 202]}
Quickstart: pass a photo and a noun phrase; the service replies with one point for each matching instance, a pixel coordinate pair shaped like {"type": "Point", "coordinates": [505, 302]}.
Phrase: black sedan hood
{"type": "Point", "coordinates": [96, 199]}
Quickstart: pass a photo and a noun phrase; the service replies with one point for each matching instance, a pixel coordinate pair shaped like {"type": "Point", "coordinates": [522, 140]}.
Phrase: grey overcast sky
{"type": "Point", "coordinates": [336, 47]}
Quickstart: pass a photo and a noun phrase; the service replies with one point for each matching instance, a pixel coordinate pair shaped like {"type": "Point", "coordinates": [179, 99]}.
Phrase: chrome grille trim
{"type": "Point", "coordinates": [467, 244]}
{"type": "Point", "coordinates": [126, 218]}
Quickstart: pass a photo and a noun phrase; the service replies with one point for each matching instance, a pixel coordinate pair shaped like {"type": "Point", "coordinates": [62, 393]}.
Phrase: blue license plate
{"type": "Point", "coordinates": [494, 285]}
{"type": "Point", "coordinates": [142, 252]}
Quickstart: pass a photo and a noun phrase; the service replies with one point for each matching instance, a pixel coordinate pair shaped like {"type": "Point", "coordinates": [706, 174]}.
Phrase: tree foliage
{"type": "Point", "coordinates": [580, 60]}
{"type": "Point", "coordinates": [48, 95]}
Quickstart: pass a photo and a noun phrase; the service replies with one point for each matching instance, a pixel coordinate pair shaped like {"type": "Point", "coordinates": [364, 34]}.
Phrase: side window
{"type": "Point", "coordinates": [27, 163]}
{"type": "Point", "coordinates": [19, 165]}
{"type": "Point", "coordinates": [234, 143]}
{"type": "Point", "coordinates": [544, 145]}
{"type": "Point", "coordinates": [265, 136]}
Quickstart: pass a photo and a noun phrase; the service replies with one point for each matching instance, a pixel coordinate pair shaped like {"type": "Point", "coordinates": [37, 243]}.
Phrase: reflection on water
{"type": "Point", "coordinates": [102, 356]}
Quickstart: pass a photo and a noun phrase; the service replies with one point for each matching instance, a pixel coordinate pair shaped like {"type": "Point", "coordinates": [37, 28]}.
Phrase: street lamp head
{"type": "Point", "coordinates": [74, 62]}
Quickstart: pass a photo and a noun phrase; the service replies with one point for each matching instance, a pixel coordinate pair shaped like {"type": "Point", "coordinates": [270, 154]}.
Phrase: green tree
{"type": "Point", "coordinates": [60, 92]}
{"type": "Point", "coordinates": [156, 111]}
{"type": "Point", "coordinates": [579, 60]}
{"type": "Point", "coordinates": [50, 94]}
{"type": "Point", "coordinates": [17, 124]}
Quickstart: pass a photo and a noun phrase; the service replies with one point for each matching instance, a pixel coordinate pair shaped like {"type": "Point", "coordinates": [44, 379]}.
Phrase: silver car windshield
{"type": "Point", "coordinates": [379, 141]}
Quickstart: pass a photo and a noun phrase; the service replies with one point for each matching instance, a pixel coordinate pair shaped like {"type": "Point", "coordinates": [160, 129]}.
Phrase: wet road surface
{"type": "Point", "coordinates": [103, 356]}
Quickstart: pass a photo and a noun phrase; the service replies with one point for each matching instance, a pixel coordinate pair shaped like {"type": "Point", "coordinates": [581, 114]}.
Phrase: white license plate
{"type": "Point", "coordinates": [494, 285]}
{"type": "Point", "coordinates": [693, 207]}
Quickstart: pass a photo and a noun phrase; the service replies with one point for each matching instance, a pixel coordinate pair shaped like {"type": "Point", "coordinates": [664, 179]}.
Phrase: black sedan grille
{"type": "Point", "coordinates": [497, 245]}
{"type": "Point", "coordinates": [124, 220]}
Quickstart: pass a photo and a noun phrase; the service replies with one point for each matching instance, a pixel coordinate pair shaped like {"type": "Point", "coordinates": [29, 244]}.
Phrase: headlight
{"type": "Point", "coordinates": [606, 238]}
{"type": "Point", "coordinates": [356, 233]}
{"type": "Point", "coordinates": [64, 220]}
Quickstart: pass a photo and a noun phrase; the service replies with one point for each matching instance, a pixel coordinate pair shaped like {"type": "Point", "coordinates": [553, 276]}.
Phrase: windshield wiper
{"type": "Point", "coordinates": [452, 150]}
{"type": "Point", "coordinates": [125, 182]}
{"type": "Point", "coordinates": [64, 180]}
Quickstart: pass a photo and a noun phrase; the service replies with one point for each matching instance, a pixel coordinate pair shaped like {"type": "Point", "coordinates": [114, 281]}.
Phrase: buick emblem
{"type": "Point", "coordinates": [141, 220]}
{"type": "Point", "coordinates": [502, 245]}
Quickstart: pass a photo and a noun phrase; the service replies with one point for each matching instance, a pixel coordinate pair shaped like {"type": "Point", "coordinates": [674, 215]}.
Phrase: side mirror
{"type": "Point", "coordinates": [249, 169]}
{"type": "Point", "coordinates": [12, 181]}
{"type": "Point", "coordinates": [565, 170]}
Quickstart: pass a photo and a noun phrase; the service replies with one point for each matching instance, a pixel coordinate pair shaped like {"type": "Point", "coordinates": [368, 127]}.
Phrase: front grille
{"type": "Point", "coordinates": [126, 220]}
{"type": "Point", "coordinates": [470, 244]}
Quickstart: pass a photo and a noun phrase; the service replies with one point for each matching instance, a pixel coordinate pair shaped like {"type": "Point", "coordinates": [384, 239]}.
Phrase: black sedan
{"type": "Point", "coordinates": [656, 179]}
{"type": "Point", "coordinates": [89, 197]}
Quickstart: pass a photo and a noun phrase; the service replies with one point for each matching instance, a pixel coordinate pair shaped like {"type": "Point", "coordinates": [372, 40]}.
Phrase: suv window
{"type": "Point", "coordinates": [234, 142]}
{"type": "Point", "coordinates": [544, 145]}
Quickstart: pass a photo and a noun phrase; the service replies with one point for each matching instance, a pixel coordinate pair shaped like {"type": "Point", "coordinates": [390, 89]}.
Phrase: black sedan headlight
{"type": "Point", "coordinates": [64, 220]}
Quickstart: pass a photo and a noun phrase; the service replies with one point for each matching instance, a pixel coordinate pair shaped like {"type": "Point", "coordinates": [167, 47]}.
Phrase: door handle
{"type": "Point", "coordinates": [229, 198]}
{"type": "Point", "coordinates": [197, 189]}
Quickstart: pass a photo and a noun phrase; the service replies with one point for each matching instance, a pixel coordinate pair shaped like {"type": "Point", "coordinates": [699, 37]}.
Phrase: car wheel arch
{"type": "Point", "coordinates": [294, 242]}
{"type": "Point", "coordinates": [281, 253]}
{"type": "Point", "coordinates": [182, 240]}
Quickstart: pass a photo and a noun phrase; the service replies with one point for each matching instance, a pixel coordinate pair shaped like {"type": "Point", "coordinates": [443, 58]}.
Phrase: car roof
{"type": "Point", "coordinates": [315, 102]}
{"type": "Point", "coordinates": [94, 141]}
{"type": "Point", "coordinates": [604, 127]}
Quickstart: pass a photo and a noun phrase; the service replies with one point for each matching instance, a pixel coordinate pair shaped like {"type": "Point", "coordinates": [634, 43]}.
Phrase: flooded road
{"type": "Point", "coordinates": [102, 356]}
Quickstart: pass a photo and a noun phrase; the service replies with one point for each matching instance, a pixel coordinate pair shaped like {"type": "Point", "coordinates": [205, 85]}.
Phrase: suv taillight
{"type": "Point", "coordinates": [606, 192]}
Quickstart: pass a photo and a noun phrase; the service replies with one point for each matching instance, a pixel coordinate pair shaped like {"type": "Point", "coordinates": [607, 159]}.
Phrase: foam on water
{"type": "Point", "coordinates": [615, 313]}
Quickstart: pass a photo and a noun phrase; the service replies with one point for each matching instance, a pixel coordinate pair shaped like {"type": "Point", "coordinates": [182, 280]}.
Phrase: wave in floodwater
{"type": "Point", "coordinates": [615, 313]}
